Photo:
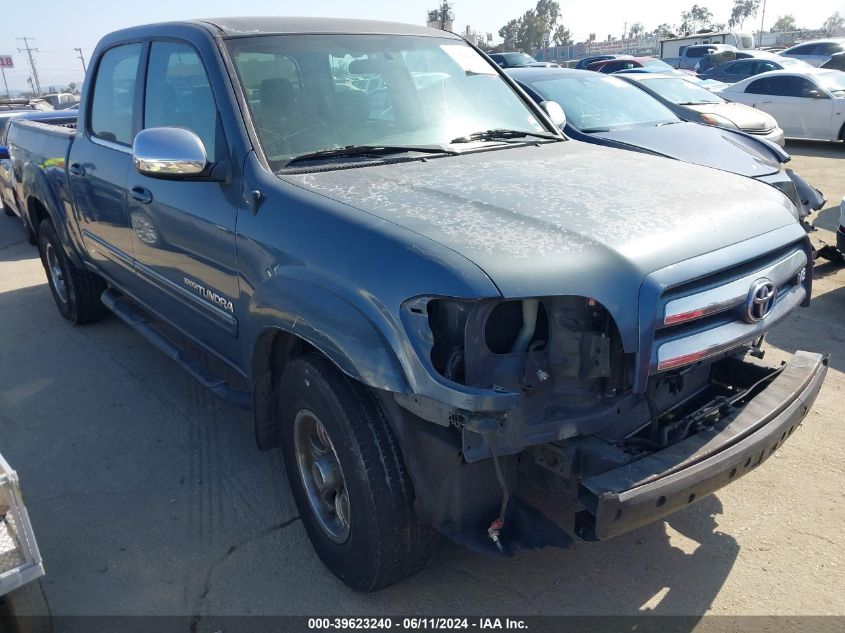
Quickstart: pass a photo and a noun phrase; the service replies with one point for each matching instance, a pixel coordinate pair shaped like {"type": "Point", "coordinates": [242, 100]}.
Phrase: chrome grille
{"type": "Point", "coordinates": [704, 317]}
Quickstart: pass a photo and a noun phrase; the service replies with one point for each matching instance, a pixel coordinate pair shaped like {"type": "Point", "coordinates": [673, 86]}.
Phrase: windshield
{"type": "Point", "coordinates": [655, 65]}
{"type": "Point", "coordinates": [601, 103]}
{"type": "Point", "coordinates": [309, 93]}
{"type": "Point", "coordinates": [519, 59]}
{"type": "Point", "coordinates": [834, 81]}
{"type": "Point", "coordinates": [681, 91]}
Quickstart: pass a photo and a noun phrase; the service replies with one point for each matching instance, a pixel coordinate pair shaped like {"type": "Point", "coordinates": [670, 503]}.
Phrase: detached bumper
{"type": "Point", "coordinates": [649, 489]}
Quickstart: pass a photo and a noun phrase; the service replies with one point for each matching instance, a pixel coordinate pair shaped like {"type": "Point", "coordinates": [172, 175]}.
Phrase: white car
{"type": "Point", "coordinates": [816, 52]}
{"type": "Point", "coordinates": [807, 103]}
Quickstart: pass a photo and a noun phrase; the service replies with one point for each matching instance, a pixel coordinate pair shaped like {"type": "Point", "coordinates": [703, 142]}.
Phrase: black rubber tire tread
{"type": "Point", "coordinates": [399, 544]}
{"type": "Point", "coordinates": [84, 288]}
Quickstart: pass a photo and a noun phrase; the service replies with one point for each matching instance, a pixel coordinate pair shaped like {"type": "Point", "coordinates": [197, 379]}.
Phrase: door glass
{"type": "Point", "coordinates": [759, 87]}
{"type": "Point", "coordinates": [114, 94]}
{"type": "Point", "coordinates": [179, 95]}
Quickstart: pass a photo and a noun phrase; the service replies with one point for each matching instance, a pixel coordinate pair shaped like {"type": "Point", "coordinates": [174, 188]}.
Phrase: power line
{"type": "Point", "coordinates": [29, 52]}
{"type": "Point", "coordinates": [82, 59]}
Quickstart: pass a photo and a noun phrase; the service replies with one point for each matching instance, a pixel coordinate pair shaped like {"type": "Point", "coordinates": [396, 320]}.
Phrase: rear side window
{"type": "Point", "coordinates": [806, 49]}
{"type": "Point", "coordinates": [759, 87]}
{"type": "Point", "coordinates": [114, 94]}
{"type": "Point", "coordinates": [178, 93]}
{"type": "Point", "coordinates": [699, 51]}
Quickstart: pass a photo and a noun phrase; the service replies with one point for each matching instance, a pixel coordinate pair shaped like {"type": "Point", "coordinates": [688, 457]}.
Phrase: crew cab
{"type": "Point", "coordinates": [426, 293]}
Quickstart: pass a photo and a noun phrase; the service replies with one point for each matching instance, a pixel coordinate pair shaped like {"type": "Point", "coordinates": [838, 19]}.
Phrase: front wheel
{"type": "Point", "coordinates": [348, 478]}
{"type": "Point", "coordinates": [76, 291]}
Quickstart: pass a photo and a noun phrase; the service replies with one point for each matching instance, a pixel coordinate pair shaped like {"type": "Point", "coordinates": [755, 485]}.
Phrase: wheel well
{"type": "Point", "coordinates": [273, 351]}
{"type": "Point", "coordinates": [37, 212]}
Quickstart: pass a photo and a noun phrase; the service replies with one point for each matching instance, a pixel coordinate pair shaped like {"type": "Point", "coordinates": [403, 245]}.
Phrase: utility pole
{"type": "Point", "coordinates": [3, 70]}
{"type": "Point", "coordinates": [29, 52]}
{"type": "Point", "coordinates": [762, 18]}
{"type": "Point", "coordinates": [82, 59]}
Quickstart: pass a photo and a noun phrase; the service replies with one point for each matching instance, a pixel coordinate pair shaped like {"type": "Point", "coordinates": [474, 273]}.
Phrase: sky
{"type": "Point", "coordinates": [59, 27]}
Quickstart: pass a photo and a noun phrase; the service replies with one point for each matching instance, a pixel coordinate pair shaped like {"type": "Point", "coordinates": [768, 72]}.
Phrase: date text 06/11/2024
{"type": "Point", "coordinates": [416, 623]}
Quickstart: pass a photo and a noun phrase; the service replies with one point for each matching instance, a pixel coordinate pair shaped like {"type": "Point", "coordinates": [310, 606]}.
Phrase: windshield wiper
{"type": "Point", "coordinates": [593, 130]}
{"type": "Point", "coordinates": [369, 150]}
{"type": "Point", "coordinates": [502, 134]}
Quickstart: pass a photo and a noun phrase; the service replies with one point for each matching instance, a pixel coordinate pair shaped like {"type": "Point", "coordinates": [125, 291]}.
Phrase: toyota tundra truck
{"type": "Point", "coordinates": [428, 296]}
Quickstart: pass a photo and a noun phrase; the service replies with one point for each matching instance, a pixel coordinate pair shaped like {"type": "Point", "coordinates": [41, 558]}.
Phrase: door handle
{"type": "Point", "coordinates": [141, 194]}
{"type": "Point", "coordinates": [76, 169]}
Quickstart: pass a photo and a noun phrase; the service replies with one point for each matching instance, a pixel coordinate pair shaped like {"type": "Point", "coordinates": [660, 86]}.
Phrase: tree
{"type": "Point", "coordinates": [785, 23]}
{"type": "Point", "coordinates": [636, 30]}
{"type": "Point", "coordinates": [510, 31]}
{"type": "Point", "coordinates": [742, 10]}
{"type": "Point", "coordinates": [696, 18]}
{"type": "Point", "coordinates": [664, 30]}
{"type": "Point", "coordinates": [833, 23]}
{"type": "Point", "coordinates": [562, 36]}
{"type": "Point", "coordinates": [536, 27]}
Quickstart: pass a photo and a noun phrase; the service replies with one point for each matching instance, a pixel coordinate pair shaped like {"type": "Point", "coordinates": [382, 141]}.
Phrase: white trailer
{"type": "Point", "coordinates": [673, 46]}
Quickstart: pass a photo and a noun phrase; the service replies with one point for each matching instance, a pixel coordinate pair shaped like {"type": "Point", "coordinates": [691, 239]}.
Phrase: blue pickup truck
{"type": "Point", "coordinates": [428, 296]}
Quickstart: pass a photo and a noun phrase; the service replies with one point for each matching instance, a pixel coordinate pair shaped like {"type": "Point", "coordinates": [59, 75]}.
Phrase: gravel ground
{"type": "Point", "coordinates": [148, 497]}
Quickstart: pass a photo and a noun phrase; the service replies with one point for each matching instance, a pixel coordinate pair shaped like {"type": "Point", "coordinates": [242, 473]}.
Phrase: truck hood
{"type": "Point", "coordinates": [702, 145]}
{"type": "Point", "coordinates": [560, 218]}
{"type": "Point", "coordinates": [743, 116]}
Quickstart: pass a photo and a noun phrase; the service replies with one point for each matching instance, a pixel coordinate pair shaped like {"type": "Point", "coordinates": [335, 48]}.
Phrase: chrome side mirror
{"type": "Point", "coordinates": [555, 112]}
{"type": "Point", "coordinates": [169, 152]}
{"type": "Point", "coordinates": [4, 153]}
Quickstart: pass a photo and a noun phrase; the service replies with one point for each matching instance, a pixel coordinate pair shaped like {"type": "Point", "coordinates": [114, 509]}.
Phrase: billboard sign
{"type": "Point", "coordinates": [6, 61]}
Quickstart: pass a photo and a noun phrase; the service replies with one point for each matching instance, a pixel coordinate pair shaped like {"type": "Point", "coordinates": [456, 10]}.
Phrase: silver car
{"type": "Point", "coordinates": [816, 52]}
{"type": "Point", "coordinates": [691, 102]}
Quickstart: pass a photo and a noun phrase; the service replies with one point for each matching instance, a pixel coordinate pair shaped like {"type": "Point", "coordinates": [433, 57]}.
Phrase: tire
{"type": "Point", "coordinates": [76, 291]}
{"type": "Point", "coordinates": [383, 541]}
{"type": "Point", "coordinates": [7, 210]}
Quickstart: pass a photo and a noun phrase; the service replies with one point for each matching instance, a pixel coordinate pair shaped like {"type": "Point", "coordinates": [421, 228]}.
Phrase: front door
{"type": "Point", "coordinates": [99, 163]}
{"type": "Point", "coordinates": [183, 231]}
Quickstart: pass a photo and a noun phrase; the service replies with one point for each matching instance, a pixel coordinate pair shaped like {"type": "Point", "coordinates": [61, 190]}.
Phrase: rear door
{"type": "Point", "coordinates": [183, 231]}
{"type": "Point", "coordinates": [100, 161]}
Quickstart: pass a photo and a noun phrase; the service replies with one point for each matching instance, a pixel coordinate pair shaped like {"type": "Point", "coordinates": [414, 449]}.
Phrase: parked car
{"type": "Point", "coordinates": [62, 100]}
{"type": "Point", "coordinates": [518, 60]}
{"type": "Point", "coordinates": [611, 111]}
{"type": "Point", "coordinates": [499, 309]}
{"type": "Point", "coordinates": [8, 201]}
{"type": "Point", "coordinates": [807, 104]}
{"type": "Point", "coordinates": [583, 63]}
{"type": "Point", "coordinates": [734, 71]}
{"type": "Point", "coordinates": [692, 55]}
{"type": "Point", "coordinates": [693, 103]}
{"type": "Point", "coordinates": [717, 58]}
{"type": "Point", "coordinates": [836, 62]}
{"type": "Point", "coordinates": [816, 52]}
{"type": "Point", "coordinates": [650, 64]}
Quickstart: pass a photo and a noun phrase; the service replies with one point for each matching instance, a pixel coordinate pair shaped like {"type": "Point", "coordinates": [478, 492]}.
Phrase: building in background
{"type": "Point", "coordinates": [443, 17]}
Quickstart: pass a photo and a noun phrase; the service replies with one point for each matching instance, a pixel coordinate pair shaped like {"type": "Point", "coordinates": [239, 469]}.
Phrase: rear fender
{"type": "Point", "coordinates": [45, 186]}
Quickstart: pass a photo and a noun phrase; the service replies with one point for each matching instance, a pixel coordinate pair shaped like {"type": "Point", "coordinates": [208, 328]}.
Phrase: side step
{"type": "Point", "coordinates": [127, 313]}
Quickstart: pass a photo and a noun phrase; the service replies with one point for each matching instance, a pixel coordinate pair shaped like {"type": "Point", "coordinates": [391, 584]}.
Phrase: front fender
{"type": "Point", "coordinates": [353, 337]}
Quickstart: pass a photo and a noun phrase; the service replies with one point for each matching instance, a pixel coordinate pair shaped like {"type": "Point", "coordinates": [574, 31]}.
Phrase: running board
{"type": "Point", "coordinates": [127, 313]}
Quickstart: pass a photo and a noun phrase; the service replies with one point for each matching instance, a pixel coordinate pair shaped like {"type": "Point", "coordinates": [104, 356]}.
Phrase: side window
{"type": "Point", "coordinates": [179, 95]}
{"type": "Point", "coordinates": [765, 66]}
{"type": "Point", "coordinates": [114, 94]}
{"type": "Point", "coordinates": [759, 87]}
{"type": "Point", "coordinates": [742, 68]}
{"type": "Point", "coordinates": [807, 49]}
{"type": "Point", "coordinates": [803, 88]}
{"type": "Point", "coordinates": [790, 86]}
{"type": "Point", "coordinates": [829, 48]}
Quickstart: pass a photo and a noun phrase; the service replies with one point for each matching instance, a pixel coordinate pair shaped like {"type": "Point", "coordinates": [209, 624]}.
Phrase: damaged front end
{"type": "Point", "coordinates": [546, 388]}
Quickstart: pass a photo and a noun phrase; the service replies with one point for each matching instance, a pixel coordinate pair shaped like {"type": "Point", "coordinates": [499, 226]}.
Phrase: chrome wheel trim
{"type": "Point", "coordinates": [57, 276]}
{"type": "Point", "coordinates": [321, 476]}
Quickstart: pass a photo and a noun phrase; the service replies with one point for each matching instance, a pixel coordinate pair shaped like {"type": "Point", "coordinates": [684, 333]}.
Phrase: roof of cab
{"type": "Point", "coordinates": [240, 26]}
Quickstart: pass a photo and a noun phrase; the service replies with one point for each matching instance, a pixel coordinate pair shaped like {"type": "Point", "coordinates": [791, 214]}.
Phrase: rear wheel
{"type": "Point", "coordinates": [348, 478]}
{"type": "Point", "coordinates": [76, 291]}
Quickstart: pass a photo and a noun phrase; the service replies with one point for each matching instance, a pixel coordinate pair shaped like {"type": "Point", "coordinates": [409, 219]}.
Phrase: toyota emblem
{"type": "Point", "coordinates": [761, 300]}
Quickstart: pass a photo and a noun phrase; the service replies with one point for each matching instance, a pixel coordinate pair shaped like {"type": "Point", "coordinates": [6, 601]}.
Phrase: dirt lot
{"type": "Point", "coordinates": [148, 496]}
